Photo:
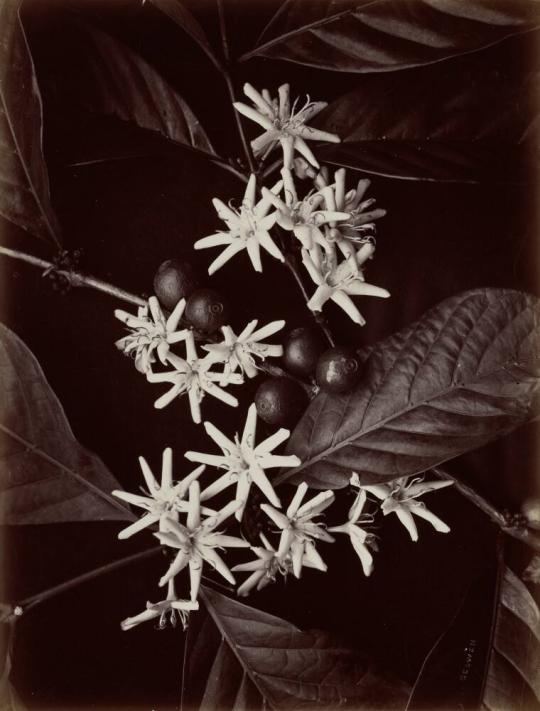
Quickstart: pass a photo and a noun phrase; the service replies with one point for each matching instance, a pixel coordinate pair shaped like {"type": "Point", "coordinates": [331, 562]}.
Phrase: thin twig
{"type": "Point", "coordinates": [232, 93]}
{"type": "Point", "coordinates": [223, 30]}
{"type": "Point", "coordinates": [29, 602]}
{"type": "Point", "coordinates": [319, 320]}
{"type": "Point", "coordinates": [184, 663]}
{"type": "Point", "coordinates": [74, 278]}
{"type": "Point", "coordinates": [520, 533]}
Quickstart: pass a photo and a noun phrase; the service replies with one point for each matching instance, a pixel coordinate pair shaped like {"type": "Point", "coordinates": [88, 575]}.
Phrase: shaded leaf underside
{"type": "Point", "coordinates": [383, 35]}
{"type": "Point", "coordinates": [116, 81]}
{"type": "Point", "coordinates": [293, 669]}
{"type": "Point", "coordinates": [24, 184]}
{"type": "Point", "coordinates": [46, 476]}
{"type": "Point", "coordinates": [464, 121]}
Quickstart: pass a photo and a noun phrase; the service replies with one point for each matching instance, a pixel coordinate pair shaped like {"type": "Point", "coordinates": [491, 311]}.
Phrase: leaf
{"type": "Point", "coordinates": [468, 121]}
{"type": "Point", "coordinates": [180, 15]}
{"type": "Point", "coordinates": [9, 698]}
{"type": "Point", "coordinates": [490, 652]}
{"type": "Point", "coordinates": [513, 678]}
{"type": "Point", "coordinates": [24, 184]}
{"type": "Point", "coordinates": [294, 669]}
{"type": "Point", "coordinates": [116, 81]}
{"type": "Point", "coordinates": [383, 35]}
{"type": "Point", "coordinates": [452, 675]}
{"type": "Point", "coordinates": [466, 373]}
{"type": "Point", "coordinates": [46, 476]}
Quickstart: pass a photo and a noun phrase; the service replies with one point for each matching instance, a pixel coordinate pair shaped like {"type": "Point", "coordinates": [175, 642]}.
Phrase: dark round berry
{"type": "Point", "coordinates": [207, 310]}
{"type": "Point", "coordinates": [175, 280]}
{"type": "Point", "coordinates": [302, 350]}
{"type": "Point", "coordinates": [338, 369]}
{"type": "Point", "coordinates": [280, 401]}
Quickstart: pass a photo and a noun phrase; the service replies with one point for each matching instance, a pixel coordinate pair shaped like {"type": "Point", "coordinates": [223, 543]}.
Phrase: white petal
{"type": "Point", "coordinates": [270, 443]}
{"type": "Point", "coordinates": [297, 499]}
{"type": "Point", "coordinates": [259, 477]}
{"type": "Point", "coordinates": [219, 485]}
{"type": "Point", "coordinates": [317, 504]}
{"type": "Point", "coordinates": [348, 305]}
{"type": "Point", "coordinates": [297, 553]}
{"type": "Point", "coordinates": [166, 468]}
{"type": "Point", "coordinates": [254, 252]}
{"type": "Point", "coordinates": [219, 438]}
{"type": "Point", "coordinates": [277, 516]}
{"type": "Point", "coordinates": [249, 583]}
{"type": "Point", "coordinates": [249, 195]}
{"type": "Point", "coordinates": [254, 115]}
{"type": "Point", "coordinates": [194, 509]}
{"type": "Point", "coordinates": [366, 559]}
{"type": "Point", "coordinates": [406, 519]}
{"type": "Point", "coordinates": [421, 511]}
{"type": "Point", "coordinates": [195, 405]}
{"type": "Point", "coordinates": [214, 240]}
{"type": "Point", "coordinates": [228, 253]}
{"type": "Point", "coordinates": [195, 575]}
{"type": "Point", "coordinates": [178, 564]}
{"type": "Point", "coordinates": [146, 520]}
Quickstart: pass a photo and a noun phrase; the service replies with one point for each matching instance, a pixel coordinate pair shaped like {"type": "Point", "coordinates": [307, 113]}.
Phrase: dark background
{"type": "Point", "coordinates": [130, 214]}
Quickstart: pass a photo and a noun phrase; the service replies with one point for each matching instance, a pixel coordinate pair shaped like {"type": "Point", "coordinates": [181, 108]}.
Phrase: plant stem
{"type": "Point", "coordinates": [73, 277]}
{"type": "Point", "coordinates": [503, 521]}
{"type": "Point", "coordinates": [77, 279]}
{"type": "Point", "coordinates": [232, 93]}
{"type": "Point", "coordinates": [223, 30]}
{"type": "Point", "coordinates": [32, 601]}
{"type": "Point", "coordinates": [290, 262]}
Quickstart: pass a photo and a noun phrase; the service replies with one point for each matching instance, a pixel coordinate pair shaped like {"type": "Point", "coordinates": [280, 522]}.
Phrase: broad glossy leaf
{"type": "Point", "coordinates": [46, 476]}
{"type": "Point", "coordinates": [181, 16]}
{"type": "Point", "coordinates": [465, 121]}
{"type": "Point", "coordinates": [367, 36]}
{"type": "Point", "coordinates": [116, 81]}
{"type": "Point", "coordinates": [466, 373]}
{"type": "Point", "coordinates": [24, 184]}
{"type": "Point", "coordinates": [294, 669]}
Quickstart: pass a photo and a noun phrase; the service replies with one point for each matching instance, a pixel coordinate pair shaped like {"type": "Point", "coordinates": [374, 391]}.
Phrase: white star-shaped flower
{"type": "Point", "coordinates": [283, 124]}
{"type": "Point", "coordinates": [244, 462]}
{"type": "Point", "coordinates": [360, 226]}
{"type": "Point", "coordinates": [298, 530]}
{"type": "Point", "coordinates": [170, 608]}
{"type": "Point", "coordinates": [340, 282]}
{"type": "Point", "coordinates": [360, 539]}
{"type": "Point", "coordinates": [197, 541]}
{"type": "Point", "coordinates": [304, 218]}
{"type": "Point", "coordinates": [240, 351]}
{"type": "Point", "coordinates": [248, 228]}
{"type": "Point", "coordinates": [150, 331]}
{"type": "Point", "coordinates": [194, 377]}
{"type": "Point", "coordinates": [165, 500]}
{"type": "Point", "coordinates": [399, 497]}
{"type": "Point", "coordinates": [263, 569]}
{"type": "Point", "coordinates": [266, 566]}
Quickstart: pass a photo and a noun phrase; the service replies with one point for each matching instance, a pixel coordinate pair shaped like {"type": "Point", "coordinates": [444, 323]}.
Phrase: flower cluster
{"type": "Point", "coordinates": [334, 228]}
{"type": "Point", "coordinates": [151, 332]}
{"type": "Point", "coordinates": [175, 510]}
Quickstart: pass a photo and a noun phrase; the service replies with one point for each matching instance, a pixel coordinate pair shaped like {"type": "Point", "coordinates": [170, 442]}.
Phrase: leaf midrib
{"type": "Point", "coordinates": [16, 141]}
{"type": "Point", "coordinates": [381, 423]}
